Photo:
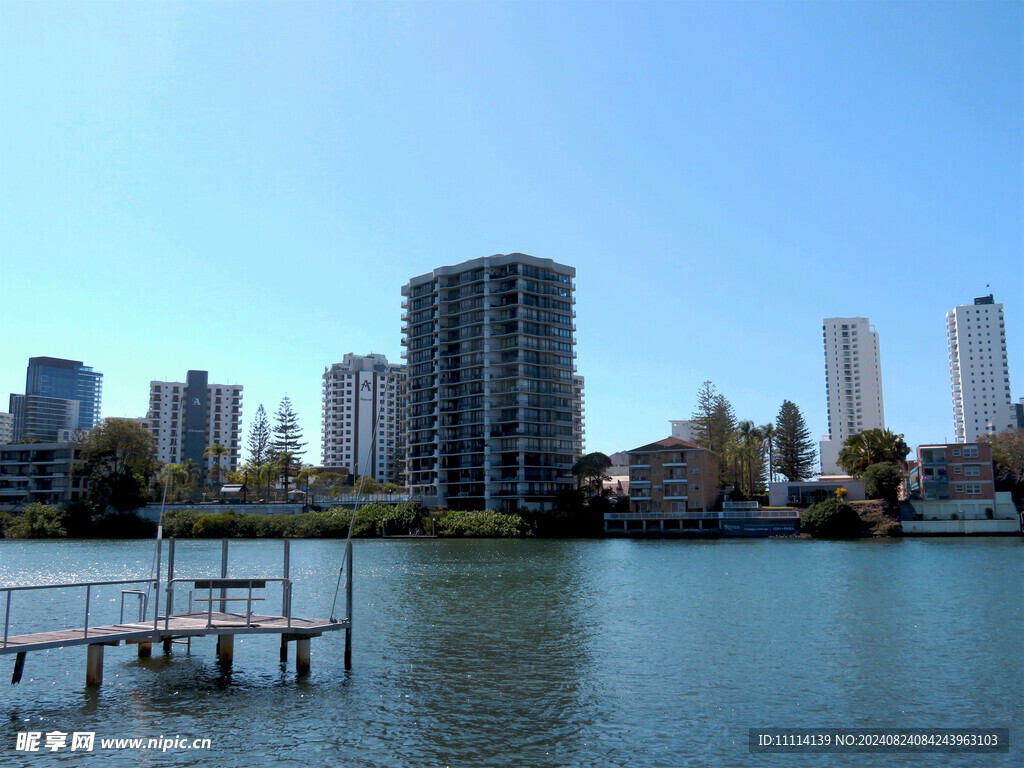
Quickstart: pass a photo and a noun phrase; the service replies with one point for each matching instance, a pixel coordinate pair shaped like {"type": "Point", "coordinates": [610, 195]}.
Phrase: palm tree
{"type": "Point", "coordinates": [872, 446]}
{"type": "Point", "coordinates": [172, 475]}
{"type": "Point", "coordinates": [216, 450]}
{"type": "Point", "coordinates": [265, 474]}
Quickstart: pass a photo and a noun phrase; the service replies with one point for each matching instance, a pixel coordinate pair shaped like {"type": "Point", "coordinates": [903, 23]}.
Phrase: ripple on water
{"type": "Point", "coordinates": [549, 653]}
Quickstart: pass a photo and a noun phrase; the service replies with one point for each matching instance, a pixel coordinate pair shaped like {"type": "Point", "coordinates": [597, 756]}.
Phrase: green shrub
{"type": "Point", "coordinates": [484, 524]}
{"type": "Point", "coordinates": [831, 519]}
{"type": "Point", "coordinates": [36, 521]}
{"type": "Point", "coordinates": [180, 523]}
{"type": "Point", "coordinates": [122, 525]}
{"type": "Point", "coordinates": [217, 525]}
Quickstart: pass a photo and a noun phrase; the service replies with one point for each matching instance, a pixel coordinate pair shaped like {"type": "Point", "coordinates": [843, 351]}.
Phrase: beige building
{"type": "Point", "coordinates": [672, 476]}
{"type": "Point", "coordinates": [362, 412]}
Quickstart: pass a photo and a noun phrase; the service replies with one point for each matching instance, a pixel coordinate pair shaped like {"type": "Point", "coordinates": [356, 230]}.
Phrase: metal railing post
{"type": "Point", "coordinates": [286, 607]}
{"type": "Point", "coordinates": [169, 607]}
{"type": "Point", "coordinates": [288, 587]}
{"type": "Point", "coordinates": [223, 572]}
{"type": "Point", "coordinates": [348, 605]}
{"type": "Point", "coordinates": [88, 596]}
{"type": "Point", "coordinates": [7, 616]}
{"type": "Point", "coordinates": [156, 587]}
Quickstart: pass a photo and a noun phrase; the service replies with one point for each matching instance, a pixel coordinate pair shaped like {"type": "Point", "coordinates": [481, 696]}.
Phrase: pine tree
{"type": "Point", "coordinates": [259, 438]}
{"type": "Point", "coordinates": [716, 420]}
{"type": "Point", "coordinates": [794, 449]}
{"type": "Point", "coordinates": [287, 443]}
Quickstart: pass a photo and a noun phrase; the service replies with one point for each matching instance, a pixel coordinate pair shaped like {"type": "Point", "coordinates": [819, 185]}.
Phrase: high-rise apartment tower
{"type": "Point", "coordinates": [60, 395]}
{"type": "Point", "coordinates": [363, 398]}
{"type": "Point", "coordinates": [853, 384]}
{"type": "Point", "coordinates": [186, 418]}
{"type": "Point", "coordinates": [978, 371]}
{"type": "Point", "coordinates": [494, 406]}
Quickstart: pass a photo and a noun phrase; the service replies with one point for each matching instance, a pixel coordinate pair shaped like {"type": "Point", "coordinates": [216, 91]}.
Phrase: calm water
{"type": "Point", "coordinates": [550, 653]}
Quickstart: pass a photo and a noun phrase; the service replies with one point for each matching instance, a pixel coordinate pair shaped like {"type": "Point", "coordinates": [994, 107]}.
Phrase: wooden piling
{"type": "Point", "coordinates": [168, 642]}
{"type": "Point", "coordinates": [225, 648]}
{"type": "Point", "coordinates": [302, 656]}
{"type": "Point", "coordinates": [94, 664]}
{"type": "Point", "coordinates": [284, 649]}
{"type": "Point", "coordinates": [145, 650]}
{"type": "Point", "coordinates": [19, 667]}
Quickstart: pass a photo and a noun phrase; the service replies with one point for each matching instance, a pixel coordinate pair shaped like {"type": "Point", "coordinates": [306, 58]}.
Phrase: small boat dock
{"type": "Point", "coordinates": [209, 600]}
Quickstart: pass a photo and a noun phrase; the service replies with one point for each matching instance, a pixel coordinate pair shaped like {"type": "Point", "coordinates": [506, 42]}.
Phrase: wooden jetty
{"type": "Point", "coordinates": [167, 627]}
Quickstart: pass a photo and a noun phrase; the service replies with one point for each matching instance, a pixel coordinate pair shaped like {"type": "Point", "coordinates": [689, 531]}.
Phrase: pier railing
{"type": "Point", "coordinates": [86, 585]}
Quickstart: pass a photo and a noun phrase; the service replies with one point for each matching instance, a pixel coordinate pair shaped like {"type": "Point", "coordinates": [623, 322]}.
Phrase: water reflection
{"type": "Point", "coordinates": [611, 653]}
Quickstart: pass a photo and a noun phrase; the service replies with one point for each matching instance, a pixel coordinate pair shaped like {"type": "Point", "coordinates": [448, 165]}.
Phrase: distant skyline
{"type": "Point", "coordinates": [243, 188]}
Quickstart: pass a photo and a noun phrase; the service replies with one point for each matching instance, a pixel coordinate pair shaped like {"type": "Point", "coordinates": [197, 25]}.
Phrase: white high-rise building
{"type": "Point", "coordinates": [362, 414]}
{"type": "Point", "coordinates": [853, 384]}
{"type": "Point", "coordinates": [978, 371]}
{"type": "Point", "coordinates": [185, 418]}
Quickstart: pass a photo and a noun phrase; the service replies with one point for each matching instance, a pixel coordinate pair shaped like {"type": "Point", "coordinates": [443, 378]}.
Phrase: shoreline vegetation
{"type": "Point", "coordinates": [38, 521]}
{"type": "Point", "coordinates": [830, 519]}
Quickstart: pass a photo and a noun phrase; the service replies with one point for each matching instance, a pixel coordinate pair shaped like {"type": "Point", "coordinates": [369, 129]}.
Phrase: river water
{"type": "Point", "coordinates": [546, 653]}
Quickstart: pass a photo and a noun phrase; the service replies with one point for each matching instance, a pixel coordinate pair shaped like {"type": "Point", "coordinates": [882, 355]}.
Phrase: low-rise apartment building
{"type": "Point", "coordinates": [672, 476]}
{"type": "Point", "coordinates": [39, 472]}
{"type": "Point", "coordinates": [952, 471]}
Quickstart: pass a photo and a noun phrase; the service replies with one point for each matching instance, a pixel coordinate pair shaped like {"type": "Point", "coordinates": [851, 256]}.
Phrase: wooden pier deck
{"type": "Point", "coordinates": [180, 625]}
{"type": "Point", "coordinates": [168, 626]}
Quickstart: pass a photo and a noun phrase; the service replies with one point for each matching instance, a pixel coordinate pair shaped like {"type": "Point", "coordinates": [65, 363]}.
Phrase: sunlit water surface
{"type": "Point", "coordinates": [545, 653]}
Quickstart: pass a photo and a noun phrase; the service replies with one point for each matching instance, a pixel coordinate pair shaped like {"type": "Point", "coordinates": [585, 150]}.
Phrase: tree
{"type": "Point", "coordinates": [192, 471]}
{"type": "Point", "coordinates": [768, 432]}
{"type": "Point", "coordinates": [1008, 460]}
{"type": "Point", "coordinates": [217, 451]}
{"type": "Point", "coordinates": [287, 442]}
{"type": "Point", "coordinates": [366, 484]}
{"type": "Point", "coordinates": [118, 460]}
{"type": "Point", "coordinates": [746, 452]}
{"type": "Point", "coordinates": [36, 521]}
{"type": "Point", "coordinates": [259, 438]}
{"type": "Point", "coordinates": [884, 481]}
{"type": "Point", "coordinates": [715, 419]}
{"type": "Point", "coordinates": [831, 519]}
{"type": "Point", "coordinates": [793, 445]}
{"type": "Point", "coordinates": [171, 476]}
{"type": "Point", "coordinates": [591, 472]}
{"type": "Point", "coordinates": [872, 446]}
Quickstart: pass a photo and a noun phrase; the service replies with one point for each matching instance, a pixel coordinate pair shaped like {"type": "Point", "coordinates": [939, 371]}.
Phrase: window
{"type": "Point", "coordinates": [972, 470]}
{"type": "Point", "coordinates": [958, 470]}
{"type": "Point", "coordinates": [970, 451]}
{"type": "Point", "coordinates": [974, 488]}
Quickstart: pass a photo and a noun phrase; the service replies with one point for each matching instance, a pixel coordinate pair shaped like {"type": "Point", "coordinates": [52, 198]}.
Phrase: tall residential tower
{"type": "Point", "coordinates": [494, 406]}
{"type": "Point", "coordinates": [60, 395]}
{"type": "Point", "coordinates": [361, 416]}
{"type": "Point", "coordinates": [853, 384]}
{"type": "Point", "coordinates": [185, 418]}
{"type": "Point", "coordinates": [978, 371]}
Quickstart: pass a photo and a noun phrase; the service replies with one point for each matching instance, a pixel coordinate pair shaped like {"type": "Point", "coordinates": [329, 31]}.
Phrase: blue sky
{"type": "Point", "coordinates": [245, 187]}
